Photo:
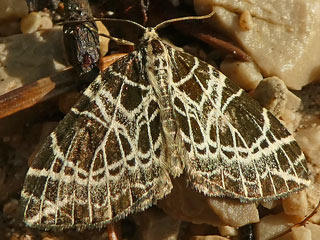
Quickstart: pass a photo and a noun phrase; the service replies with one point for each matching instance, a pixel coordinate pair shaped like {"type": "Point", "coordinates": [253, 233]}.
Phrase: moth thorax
{"type": "Point", "coordinates": [157, 68]}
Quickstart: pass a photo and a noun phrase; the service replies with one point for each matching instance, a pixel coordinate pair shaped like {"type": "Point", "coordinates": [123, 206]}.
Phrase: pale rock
{"type": "Point", "coordinates": [25, 58]}
{"type": "Point", "coordinates": [246, 74]}
{"type": "Point", "coordinates": [10, 13]}
{"type": "Point", "coordinates": [228, 231]}
{"type": "Point", "coordinates": [186, 204]}
{"type": "Point", "coordinates": [46, 21]}
{"type": "Point", "coordinates": [212, 237]}
{"type": "Point", "coordinates": [313, 196]}
{"type": "Point", "coordinates": [301, 233]}
{"type": "Point", "coordinates": [293, 102]}
{"type": "Point", "coordinates": [246, 21]}
{"type": "Point", "coordinates": [290, 115]}
{"type": "Point", "coordinates": [296, 204]}
{"type": "Point", "coordinates": [233, 212]}
{"type": "Point", "coordinates": [309, 140]}
{"type": "Point", "coordinates": [13, 9]}
{"type": "Point", "coordinates": [315, 230]}
{"type": "Point", "coordinates": [272, 225]}
{"type": "Point", "coordinates": [272, 93]}
{"type": "Point", "coordinates": [307, 202]}
{"type": "Point", "coordinates": [284, 41]}
{"type": "Point", "coordinates": [104, 41]}
{"type": "Point", "coordinates": [35, 21]}
{"type": "Point", "coordinates": [271, 204]}
{"type": "Point", "coordinates": [189, 205]}
{"type": "Point", "coordinates": [303, 203]}
{"type": "Point", "coordinates": [287, 236]}
{"type": "Point", "coordinates": [30, 23]}
{"type": "Point", "coordinates": [308, 120]}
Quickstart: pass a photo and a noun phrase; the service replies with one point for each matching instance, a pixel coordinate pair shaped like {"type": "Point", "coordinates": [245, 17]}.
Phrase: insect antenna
{"type": "Point", "coordinates": [118, 40]}
{"type": "Point", "coordinates": [163, 24]}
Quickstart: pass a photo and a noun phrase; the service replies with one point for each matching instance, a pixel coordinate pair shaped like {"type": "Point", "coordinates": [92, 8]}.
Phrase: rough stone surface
{"type": "Point", "coordinates": [246, 74]}
{"type": "Point", "coordinates": [187, 204]}
{"type": "Point", "coordinates": [12, 9]}
{"type": "Point", "coordinates": [272, 225]}
{"type": "Point", "coordinates": [104, 42]}
{"type": "Point", "coordinates": [35, 21]}
{"type": "Point", "coordinates": [301, 233]}
{"type": "Point", "coordinates": [309, 140]}
{"type": "Point", "coordinates": [292, 205]}
{"type": "Point", "coordinates": [25, 58]}
{"type": "Point", "coordinates": [315, 230]}
{"type": "Point", "coordinates": [228, 231]}
{"type": "Point", "coordinates": [284, 41]}
{"type": "Point", "coordinates": [271, 93]}
{"type": "Point", "coordinates": [233, 212]}
{"type": "Point", "coordinates": [209, 238]}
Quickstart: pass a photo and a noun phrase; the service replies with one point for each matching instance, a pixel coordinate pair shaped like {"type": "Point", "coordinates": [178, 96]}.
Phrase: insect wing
{"type": "Point", "coordinates": [102, 162]}
{"type": "Point", "coordinates": [233, 146]}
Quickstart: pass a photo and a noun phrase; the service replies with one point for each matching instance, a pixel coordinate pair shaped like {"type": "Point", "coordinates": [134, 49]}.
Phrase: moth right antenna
{"type": "Point", "coordinates": [163, 24]}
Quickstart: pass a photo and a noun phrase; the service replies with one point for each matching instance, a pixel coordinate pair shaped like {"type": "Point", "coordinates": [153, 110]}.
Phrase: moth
{"type": "Point", "coordinates": [153, 115]}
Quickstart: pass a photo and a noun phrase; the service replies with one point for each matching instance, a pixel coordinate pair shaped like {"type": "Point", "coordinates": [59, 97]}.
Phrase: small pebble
{"type": "Point", "coordinates": [30, 23]}
{"type": "Point", "coordinates": [246, 21]}
{"type": "Point", "coordinates": [228, 231]}
{"type": "Point", "coordinates": [35, 21]}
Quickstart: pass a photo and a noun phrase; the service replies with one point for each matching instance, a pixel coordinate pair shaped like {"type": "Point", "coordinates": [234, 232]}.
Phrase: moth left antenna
{"type": "Point", "coordinates": [118, 40]}
{"type": "Point", "coordinates": [119, 20]}
{"type": "Point", "coordinates": [104, 19]}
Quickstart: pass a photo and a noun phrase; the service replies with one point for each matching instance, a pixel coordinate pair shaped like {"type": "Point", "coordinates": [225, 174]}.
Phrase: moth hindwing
{"type": "Point", "coordinates": [151, 116]}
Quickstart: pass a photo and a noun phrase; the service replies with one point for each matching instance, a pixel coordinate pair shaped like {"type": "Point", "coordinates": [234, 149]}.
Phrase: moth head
{"type": "Point", "coordinates": [149, 35]}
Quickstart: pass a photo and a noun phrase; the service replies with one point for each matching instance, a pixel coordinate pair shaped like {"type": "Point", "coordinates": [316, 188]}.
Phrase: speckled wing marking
{"type": "Point", "coordinates": [103, 160]}
{"type": "Point", "coordinates": [153, 115]}
{"type": "Point", "coordinates": [234, 147]}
